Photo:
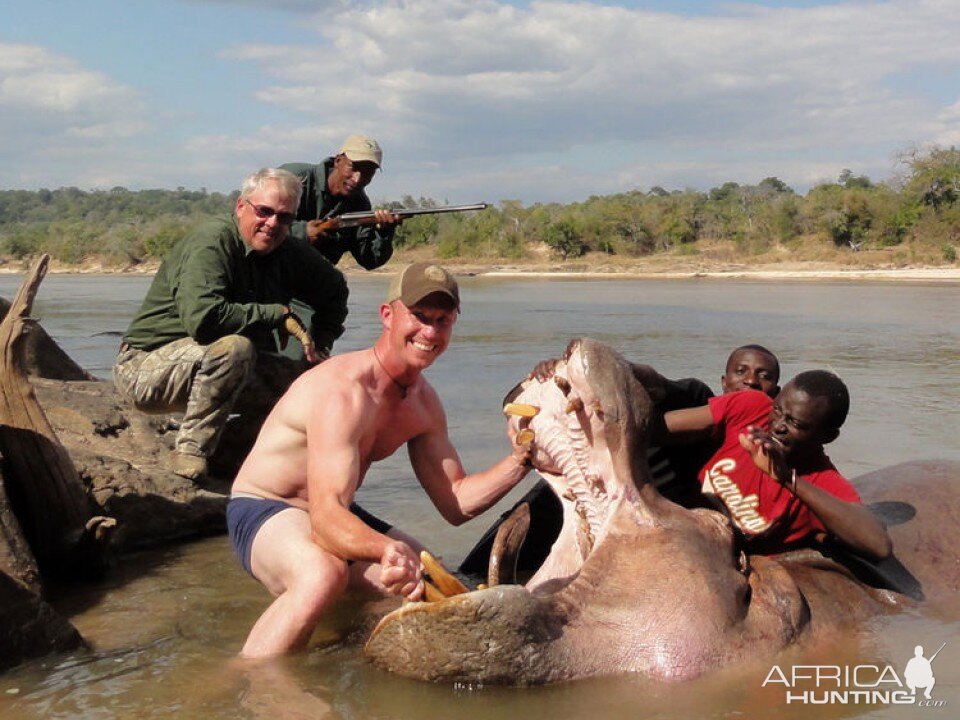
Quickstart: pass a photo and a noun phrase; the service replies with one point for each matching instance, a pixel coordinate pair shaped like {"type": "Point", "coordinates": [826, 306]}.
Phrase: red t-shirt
{"type": "Point", "coordinates": [770, 516]}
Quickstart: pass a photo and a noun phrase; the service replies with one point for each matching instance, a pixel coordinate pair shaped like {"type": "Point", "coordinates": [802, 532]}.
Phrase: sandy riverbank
{"type": "Point", "coordinates": [658, 268]}
{"type": "Point", "coordinates": [668, 271]}
{"type": "Point", "coordinates": [899, 274]}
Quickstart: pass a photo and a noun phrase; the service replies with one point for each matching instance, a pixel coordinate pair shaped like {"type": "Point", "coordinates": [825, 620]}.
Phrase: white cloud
{"type": "Point", "coordinates": [480, 99]}
{"type": "Point", "coordinates": [948, 125]}
{"type": "Point", "coordinates": [461, 83]}
{"type": "Point", "coordinates": [55, 113]}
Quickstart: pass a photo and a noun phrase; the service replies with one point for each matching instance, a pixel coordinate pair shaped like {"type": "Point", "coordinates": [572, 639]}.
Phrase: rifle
{"type": "Point", "coordinates": [366, 217]}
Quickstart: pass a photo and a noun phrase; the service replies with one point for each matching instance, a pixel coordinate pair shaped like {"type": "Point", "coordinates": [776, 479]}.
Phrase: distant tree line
{"type": "Point", "coordinates": [123, 227]}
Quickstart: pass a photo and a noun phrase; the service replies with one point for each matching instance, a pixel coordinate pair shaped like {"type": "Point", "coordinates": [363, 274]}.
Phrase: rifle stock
{"type": "Point", "coordinates": [367, 217]}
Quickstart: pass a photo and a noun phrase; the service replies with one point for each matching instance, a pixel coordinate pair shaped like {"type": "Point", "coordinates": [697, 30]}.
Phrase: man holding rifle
{"type": "Point", "coordinates": [334, 187]}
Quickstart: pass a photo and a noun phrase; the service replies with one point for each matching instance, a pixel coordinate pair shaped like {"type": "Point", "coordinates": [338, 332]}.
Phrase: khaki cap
{"type": "Point", "coordinates": [360, 148]}
{"type": "Point", "coordinates": [416, 281]}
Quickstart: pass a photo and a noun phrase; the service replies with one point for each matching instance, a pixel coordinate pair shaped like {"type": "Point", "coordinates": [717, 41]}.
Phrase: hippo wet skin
{"type": "Point", "coordinates": [637, 584]}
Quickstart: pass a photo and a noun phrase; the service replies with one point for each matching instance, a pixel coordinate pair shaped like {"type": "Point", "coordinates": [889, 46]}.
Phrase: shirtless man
{"type": "Point", "coordinates": [290, 516]}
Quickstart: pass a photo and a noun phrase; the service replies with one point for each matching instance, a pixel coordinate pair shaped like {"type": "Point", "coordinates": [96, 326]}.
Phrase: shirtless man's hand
{"type": "Point", "coordinates": [401, 573]}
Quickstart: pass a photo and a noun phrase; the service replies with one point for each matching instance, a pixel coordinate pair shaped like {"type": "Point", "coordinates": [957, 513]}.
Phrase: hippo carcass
{"type": "Point", "coordinates": [634, 583]}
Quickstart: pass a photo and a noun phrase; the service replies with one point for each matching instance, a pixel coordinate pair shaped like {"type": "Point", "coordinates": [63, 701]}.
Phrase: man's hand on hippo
{"type": "Point", "coordinates": [522, 440]}
{"type": "Point", "coordinates": [400, 571]}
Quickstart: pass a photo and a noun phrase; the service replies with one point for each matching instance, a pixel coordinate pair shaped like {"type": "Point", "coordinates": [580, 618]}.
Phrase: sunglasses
{"type": "Point", "coordinates": [265, 212]}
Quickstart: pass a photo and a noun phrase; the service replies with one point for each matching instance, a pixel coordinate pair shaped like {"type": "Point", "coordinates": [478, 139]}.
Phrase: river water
{"type": "Point", "coordinates": [166, 625]}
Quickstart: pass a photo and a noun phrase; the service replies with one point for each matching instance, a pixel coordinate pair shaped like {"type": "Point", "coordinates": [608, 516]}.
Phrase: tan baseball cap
{"type": "Point", "coordinates": [360, 148]}
{"type": "Point", "coordinates": [416, 281]}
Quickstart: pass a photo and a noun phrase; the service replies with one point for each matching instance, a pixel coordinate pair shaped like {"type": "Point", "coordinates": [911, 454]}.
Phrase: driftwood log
{"type": "Point", "coordinates": [44, 488]}
{"type": "Point", "coordinates": [77, 459]}
{"type": "Point", "coordinates": [44, 512]}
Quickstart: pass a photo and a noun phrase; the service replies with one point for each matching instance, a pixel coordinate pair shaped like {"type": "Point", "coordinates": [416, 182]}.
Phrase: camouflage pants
{"type": "Point", "coordinates": [202, 380]}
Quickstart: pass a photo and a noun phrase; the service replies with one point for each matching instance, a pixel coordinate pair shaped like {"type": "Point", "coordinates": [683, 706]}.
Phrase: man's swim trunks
{"type": "Point", "coordinates": [247, 514]}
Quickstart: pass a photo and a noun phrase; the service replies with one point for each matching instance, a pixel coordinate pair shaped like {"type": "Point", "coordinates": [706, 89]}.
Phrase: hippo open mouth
{"type": "Point", "coordinates": [633, 583]}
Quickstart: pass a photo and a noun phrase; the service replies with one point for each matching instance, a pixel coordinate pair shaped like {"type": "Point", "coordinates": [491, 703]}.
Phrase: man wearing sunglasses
{"type": "Point", "coordinates": [210, 314]}
{"type": "Point", "coordinates": [337, 186]}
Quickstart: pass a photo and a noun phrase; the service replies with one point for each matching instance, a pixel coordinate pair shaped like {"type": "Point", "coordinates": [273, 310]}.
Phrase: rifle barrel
{"type": "Point", "coordinates": [937, 652]}
{"type": "Point", "coordinates": [357, 218]}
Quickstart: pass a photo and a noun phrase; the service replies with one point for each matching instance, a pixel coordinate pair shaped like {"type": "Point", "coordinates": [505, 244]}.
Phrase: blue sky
{"type": "Point", "coordinates": [474, 99]}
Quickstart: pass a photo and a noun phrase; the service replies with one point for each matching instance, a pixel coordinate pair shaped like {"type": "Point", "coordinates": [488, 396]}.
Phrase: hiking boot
{"type": "Point", "coordinates": [192, 467]}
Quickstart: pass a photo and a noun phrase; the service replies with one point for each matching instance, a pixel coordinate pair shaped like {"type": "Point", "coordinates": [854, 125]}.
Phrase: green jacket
{"type": "Point", "coordinates": [371, 247]}
{"type": "Point", "coordinates": [211, 285]}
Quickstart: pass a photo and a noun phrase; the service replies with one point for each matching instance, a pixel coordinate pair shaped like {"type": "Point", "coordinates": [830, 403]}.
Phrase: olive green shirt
{"type": "Point", "coordinates": [211, 285]}
{"type": "Point", "coordinates": [370, 247]}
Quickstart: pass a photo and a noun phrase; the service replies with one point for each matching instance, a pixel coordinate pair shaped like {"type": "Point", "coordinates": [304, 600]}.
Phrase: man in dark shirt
{"type": "Point", "coordinates": [337, 186]}
{"type": "Point", "coordinates": [214, 305]}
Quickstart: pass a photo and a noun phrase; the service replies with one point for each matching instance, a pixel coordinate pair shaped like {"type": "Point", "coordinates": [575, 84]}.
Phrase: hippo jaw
{"type": "Point", "coordinates": [590, 447]}
{"type": "Point", "coordinates": [633, 583]}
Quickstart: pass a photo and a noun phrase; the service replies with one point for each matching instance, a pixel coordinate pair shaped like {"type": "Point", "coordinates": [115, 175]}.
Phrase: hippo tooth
{"type": "Point", "coordinates": [431, 593]}
{"type": "Point", "coordinates": [596, 483]}
{"type": "Point", "coordinates": [521, 410]}
{"type": "Point", "coordinates": [446, 583]}
{"type": "Point", "coordinates": [506, 547]}
{"type": "Point", "coordinates": [525, 436]}
{"type": "Point", "coordinates": [575, 405]}
{"type": "Point", "coordinates": [562, 383]}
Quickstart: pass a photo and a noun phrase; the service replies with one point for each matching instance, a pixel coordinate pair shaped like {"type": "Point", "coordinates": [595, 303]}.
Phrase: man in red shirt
{"type": "Point", "coordinates": [771, 475]}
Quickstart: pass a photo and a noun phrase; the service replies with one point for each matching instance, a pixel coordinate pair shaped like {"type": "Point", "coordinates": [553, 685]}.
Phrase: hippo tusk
{"type": "Point", "coordinates": [525, 436]}
{"type": "Point", "coordinates": [562, 383]}
{"type": "Point", "coordinates": [431, 593]}
{"type": "Point", "coordinates": [446, 583]}
{"type": "Point", "coordinates": [521, 410]}
{"type": "Point", "coordinates": [506, 547]}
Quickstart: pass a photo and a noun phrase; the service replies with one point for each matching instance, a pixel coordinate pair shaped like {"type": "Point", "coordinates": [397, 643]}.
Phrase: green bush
{"type": "Point", "coordinates": [565, 237]}
{"type": "Point", "coordinates": [121, 226]}
{"type": "Point", "coordinates": [158, 244]}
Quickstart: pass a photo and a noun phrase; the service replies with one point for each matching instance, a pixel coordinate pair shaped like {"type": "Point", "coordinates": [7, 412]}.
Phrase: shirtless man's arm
{"type": "Point", "coordinates": [335, 440]}
{"type": "Point", "coordinates": [458, 496]}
